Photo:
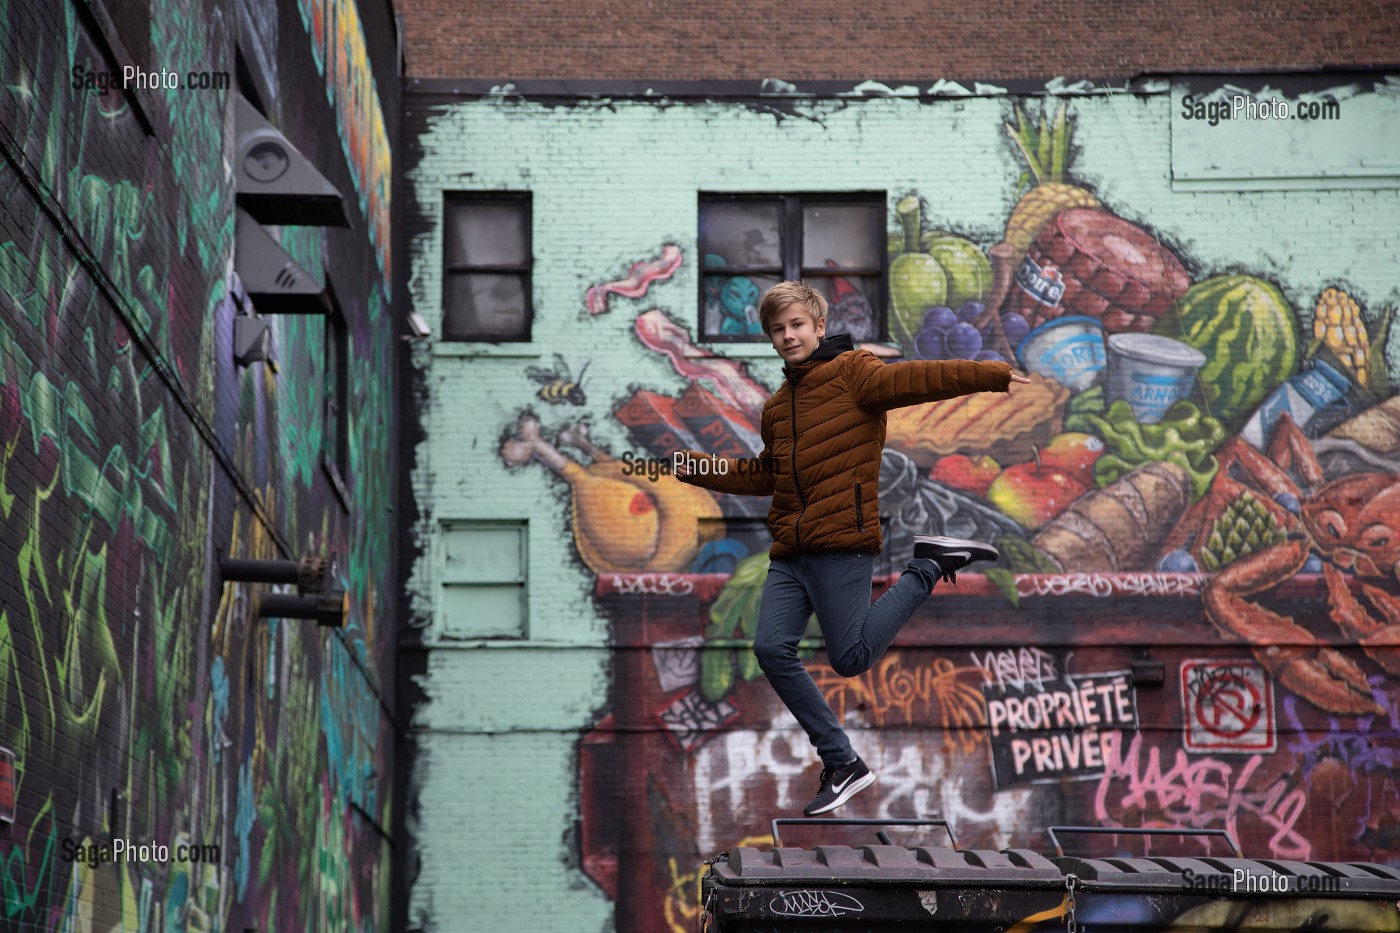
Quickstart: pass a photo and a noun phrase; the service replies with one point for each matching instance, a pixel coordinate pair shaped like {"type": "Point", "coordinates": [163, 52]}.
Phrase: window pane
{"type": "Point", "coordinates": [731, 304]}
{"type": "Point", "coordinates": [483, 233]}
{"type": "Point", "coordinates": [483, 306]}
{"type": "Point", "coordinates": [740, 233]}
{"type": "Point", "coordinates": [842, 236]}
{"type": "Point", "coordinates": [851, 301]}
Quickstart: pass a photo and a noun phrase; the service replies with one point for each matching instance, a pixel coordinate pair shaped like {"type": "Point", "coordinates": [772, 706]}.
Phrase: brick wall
{"type": "Point", "coordinates": [603, 770]}
{"type": "Point", "coordinates": [135, 455]}
{"type": "Point", "coordinates": [808, 41]}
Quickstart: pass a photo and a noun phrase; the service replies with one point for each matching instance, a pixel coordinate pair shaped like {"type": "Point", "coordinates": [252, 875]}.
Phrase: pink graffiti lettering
{"type": "Point", "coordinates": [639, 279]}
{"type": "Point", "coordinates": [1201, 793]}
{"type": "Point", "coordinates": [1105, 585]}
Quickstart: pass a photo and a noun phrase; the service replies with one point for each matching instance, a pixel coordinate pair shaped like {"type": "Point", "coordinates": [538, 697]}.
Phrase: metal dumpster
{"type": "Point", "coordinates": [877, 887]}
{"type": "Point", "coordinates": [885, 887]}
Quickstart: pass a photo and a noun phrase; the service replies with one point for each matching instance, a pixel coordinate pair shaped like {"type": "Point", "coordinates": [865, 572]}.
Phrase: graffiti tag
{"type": "Point", "coordinates": [1104, 585]}
{"type": "Point", "coordinates": [1201, 793]}
{"type": "Point", "coordinates": [1016, 667]}
{"type": "Point", "coordinates": [677, 662]}
{"type": "Point", "coordinates": [691, 719]}
{"type": "Point", "coordinates": [891, 693]}
{"type": "Point", "coordinates": [814, 904]}
{"type": "Point", "coordinates": [649, 584]}
{"type": "Point", "coordinates": [913, 780]}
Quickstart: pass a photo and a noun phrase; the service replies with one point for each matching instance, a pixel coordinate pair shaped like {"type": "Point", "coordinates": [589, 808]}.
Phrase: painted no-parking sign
{"type": "Point", "coordinates": [1228, 706]}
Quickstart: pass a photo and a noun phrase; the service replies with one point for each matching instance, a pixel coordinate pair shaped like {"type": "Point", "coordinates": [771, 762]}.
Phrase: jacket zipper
{"type": "Point", "coordinates": [860, 515]}
{"type": "Point", "coordinates": [797, 480]}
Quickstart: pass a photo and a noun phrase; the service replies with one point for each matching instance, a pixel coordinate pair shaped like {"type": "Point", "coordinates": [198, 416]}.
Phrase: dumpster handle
{"type": "Point", "coordinates": [1126, 830]}
{"type": "Point", "coordinates": [802, 821]}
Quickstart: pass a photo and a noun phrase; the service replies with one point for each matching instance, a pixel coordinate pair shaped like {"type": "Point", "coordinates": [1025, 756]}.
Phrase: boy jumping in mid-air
{"type": "Point", "coordinates": [823, 433]}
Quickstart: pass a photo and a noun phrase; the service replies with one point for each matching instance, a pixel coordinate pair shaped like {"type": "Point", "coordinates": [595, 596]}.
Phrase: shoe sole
{"type": "Point", "coordinates": [979, 550]}
{"type": "Point", "coordinates": [854, 788]}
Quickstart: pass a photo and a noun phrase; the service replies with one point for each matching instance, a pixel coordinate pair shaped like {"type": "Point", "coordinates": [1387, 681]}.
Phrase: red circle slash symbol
{"type": "Point", "coordinates": [1228, 705]}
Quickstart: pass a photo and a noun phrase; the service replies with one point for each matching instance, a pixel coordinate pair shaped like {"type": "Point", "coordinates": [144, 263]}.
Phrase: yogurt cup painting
{"type": "Point", "coordinates": [1151, 373]}
{"type": "Point", "coordinates": [1069, 350]}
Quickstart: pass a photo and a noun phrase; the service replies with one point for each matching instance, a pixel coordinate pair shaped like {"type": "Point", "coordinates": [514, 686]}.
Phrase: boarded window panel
{"type": "Point", "coordinates": [740, 234]}
{"type": "Point", "coordinates": [483, 610]}
{"type": "Point", "coordinates": [488, 234]}
{"type": "Point", "coordinates": [483, 580]}
{"type": "Point", "coordinates": [483, 306]}
{"type": "Point", "coordinates": [842, 236]}
{"type": "Point", "coordinates": [483, 554]}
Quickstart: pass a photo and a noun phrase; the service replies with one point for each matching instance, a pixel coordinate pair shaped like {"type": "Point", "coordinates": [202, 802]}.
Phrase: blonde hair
{"type": "Point", "coordinates": [785, 293]}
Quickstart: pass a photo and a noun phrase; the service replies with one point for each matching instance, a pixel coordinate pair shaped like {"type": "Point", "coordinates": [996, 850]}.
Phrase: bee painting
{"type": "Point", "coordinates": [556, 385]}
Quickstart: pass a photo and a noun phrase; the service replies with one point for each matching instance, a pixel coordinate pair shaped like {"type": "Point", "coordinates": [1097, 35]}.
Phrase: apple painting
{"type": "Point", "coordinates": [1074, 454]}
{"type": "Point", "coordinates": [1033, 493]}
{"type": "Point", "coordinates": [968, 474]}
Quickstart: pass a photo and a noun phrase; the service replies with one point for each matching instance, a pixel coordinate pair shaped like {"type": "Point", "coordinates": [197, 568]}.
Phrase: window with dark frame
{"type": "Point", "coordinates": [335, 433]}
{"type": "Point", "coordinates": [487, 264]}
{"type": "Point", "coordinates": [837, 243]}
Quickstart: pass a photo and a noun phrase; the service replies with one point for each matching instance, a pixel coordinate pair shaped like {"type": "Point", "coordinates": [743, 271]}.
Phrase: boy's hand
{"type": "Point", "coordinates": [680, 470]}
{"type": "Point", "coordinates": [1017, 377]}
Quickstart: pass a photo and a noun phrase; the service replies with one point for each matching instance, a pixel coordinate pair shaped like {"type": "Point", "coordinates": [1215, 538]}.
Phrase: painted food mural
{"type": "Point", "coordinates": [1194, 621]}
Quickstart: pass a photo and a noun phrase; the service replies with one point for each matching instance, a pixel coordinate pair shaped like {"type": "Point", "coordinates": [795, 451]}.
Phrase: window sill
{"type": "Point", "coordinates": [522, 350]}
{"type": "Point", "coordinates": [743, 351]}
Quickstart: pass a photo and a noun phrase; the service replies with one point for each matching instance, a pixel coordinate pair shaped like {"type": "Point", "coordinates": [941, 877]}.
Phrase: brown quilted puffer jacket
{"type": "Point", "coordinates": [823, 433]}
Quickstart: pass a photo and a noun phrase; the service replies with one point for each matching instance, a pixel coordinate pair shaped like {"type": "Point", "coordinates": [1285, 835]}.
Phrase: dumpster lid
{"type": "Point", "coordinates": [887, 864]}
{"type": "Point", "coordinates": [1218, 875]}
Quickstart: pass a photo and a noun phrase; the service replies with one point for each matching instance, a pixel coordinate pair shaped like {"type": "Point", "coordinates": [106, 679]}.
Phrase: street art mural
{"type": "Point", "coordinates": [144, 703]}
{"type": "Point", "coordinates": [1194, 620]}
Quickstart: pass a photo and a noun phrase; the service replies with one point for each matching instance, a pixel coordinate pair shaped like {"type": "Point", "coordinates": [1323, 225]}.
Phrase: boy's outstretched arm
{"type": "Point", "coordinates": [734, 475]}
{"type": "Point", "coordinates": [880, 386]}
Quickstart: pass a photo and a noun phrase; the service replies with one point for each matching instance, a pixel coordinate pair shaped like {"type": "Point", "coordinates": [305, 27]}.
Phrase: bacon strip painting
{"type": "Point", "coordinates": [731, 379]}
{"type": "Point", "coordinates": [639, 279]}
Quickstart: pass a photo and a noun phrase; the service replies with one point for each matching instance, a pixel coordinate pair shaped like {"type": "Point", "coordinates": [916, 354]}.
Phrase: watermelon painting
{"type": "Point", "coordinates": [1249, 335]}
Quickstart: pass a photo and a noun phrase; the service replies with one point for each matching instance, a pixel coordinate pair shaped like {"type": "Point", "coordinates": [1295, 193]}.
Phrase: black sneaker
{"type": "Point", "coordinates": [839, 784]}
{"type": "Point", "coordinates": [952, 554]}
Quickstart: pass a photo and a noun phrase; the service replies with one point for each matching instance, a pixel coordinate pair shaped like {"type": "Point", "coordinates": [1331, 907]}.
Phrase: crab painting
{"type": "Point", "coordinates": [1351, 524]}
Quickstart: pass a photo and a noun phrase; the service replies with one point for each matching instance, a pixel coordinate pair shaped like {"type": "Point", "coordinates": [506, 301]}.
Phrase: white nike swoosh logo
{"type": "Point", "coordinates": [838, 788]}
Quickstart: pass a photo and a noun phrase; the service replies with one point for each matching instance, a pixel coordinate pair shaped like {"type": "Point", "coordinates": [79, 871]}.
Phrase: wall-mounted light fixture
{"type": "Point", "coordinates": [319, 595]}
{"type": "Point", "coordinates": [252, 340]}
{"type": "Point", "coordinates": [276, 183]}
{"type": "Point", "coordinates": [418, 328]}
{"type": "Point", "coordinates": [276, 282]}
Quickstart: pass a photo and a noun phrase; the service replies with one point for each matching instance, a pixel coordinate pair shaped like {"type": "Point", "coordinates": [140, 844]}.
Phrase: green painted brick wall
{"type": "Point", "coordinates": [611, 183]}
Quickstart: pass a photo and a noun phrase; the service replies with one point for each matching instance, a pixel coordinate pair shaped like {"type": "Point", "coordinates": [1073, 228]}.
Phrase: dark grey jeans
{"type": "Point", "coordinates": [857, 631]}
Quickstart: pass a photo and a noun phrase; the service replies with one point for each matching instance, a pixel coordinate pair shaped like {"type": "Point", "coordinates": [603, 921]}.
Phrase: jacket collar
{"type": "Point", "coordinates": [830, 348]}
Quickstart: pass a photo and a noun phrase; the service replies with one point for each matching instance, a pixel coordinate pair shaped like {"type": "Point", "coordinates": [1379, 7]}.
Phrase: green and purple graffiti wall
{"type": "Point", "coordinates": [170, 761]}
{"type": "Point", "coordinates": [1195, 616]}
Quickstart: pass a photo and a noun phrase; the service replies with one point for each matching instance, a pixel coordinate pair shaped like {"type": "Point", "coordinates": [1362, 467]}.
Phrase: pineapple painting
{"type": "Point", "coordinates": [1046, 151]}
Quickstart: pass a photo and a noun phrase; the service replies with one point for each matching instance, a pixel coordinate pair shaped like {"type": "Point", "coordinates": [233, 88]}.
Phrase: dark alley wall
{"type": "Point", "coordinates": [135, 453]}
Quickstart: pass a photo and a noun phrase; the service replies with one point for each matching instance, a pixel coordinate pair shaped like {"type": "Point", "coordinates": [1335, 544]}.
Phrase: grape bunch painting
{"type": "Point", "coordinates": [951, 335]}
